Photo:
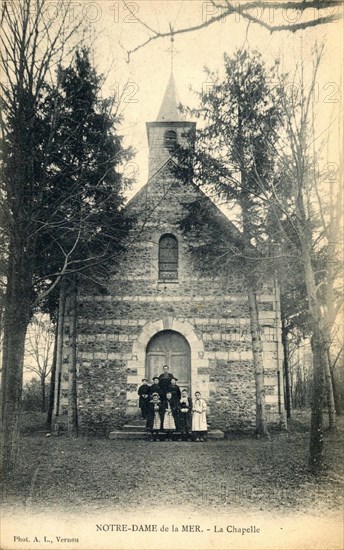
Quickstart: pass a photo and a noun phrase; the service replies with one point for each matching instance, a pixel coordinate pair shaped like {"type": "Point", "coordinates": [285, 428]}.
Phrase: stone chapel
{"type": "Point", "coordinates": [159, 308]}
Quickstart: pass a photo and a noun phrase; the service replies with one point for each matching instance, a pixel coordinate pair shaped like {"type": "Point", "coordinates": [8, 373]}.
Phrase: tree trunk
{"type": "Point", "coordinates": [332, 423]}
{"type": "Point", "coordinates": [59, 356]}
{"type": "Point", "coordinates": [17, 317]}
{"type": "Point", "coordinates": [52, 385]}
{"type": "Point", "coordinates": [334, 383]}
{"type": "Point", "coordinates": [72, 383]}
{"type": "Point", "coordinates": [43, 405]}
{"type": "Point", "coordinates": [6, 333]}
{"type": "Point", "coordinates": [250, 269]}
{"type": "Point", "coordinates": [317, 438]}
{"type": "Point", "coordinates": [330, 303]}
{"type": "Point", "coordinates": [261, 426]}
{"type": "Point", "coordinates": [286, 367]}
{"type": "Point", "coordinates": [319, 349]}
{"type": "Point", "coordinates": [11, 395]}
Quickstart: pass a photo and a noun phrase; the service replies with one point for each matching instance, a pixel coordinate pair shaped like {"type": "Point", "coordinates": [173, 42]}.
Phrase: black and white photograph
{"type": "Point", "coordinates": [171, 275]}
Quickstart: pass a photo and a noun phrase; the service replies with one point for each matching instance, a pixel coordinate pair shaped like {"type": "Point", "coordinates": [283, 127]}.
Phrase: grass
{"type": "Point", "coordinates": [240, 474]}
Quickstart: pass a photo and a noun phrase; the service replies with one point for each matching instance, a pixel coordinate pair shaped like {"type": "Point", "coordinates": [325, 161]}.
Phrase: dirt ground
{"type": "Point", "coordinates": [242, 473]}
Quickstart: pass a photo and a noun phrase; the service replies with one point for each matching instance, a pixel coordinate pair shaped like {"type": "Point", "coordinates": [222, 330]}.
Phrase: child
{"type": "Point", "coordinates": [184, 416]}
{"type": "Point", "coordinates": [170, 412]}
{"type": "Point", "coordinates": [199, 418]}
{"type": "Point", "coordinates": [154, 417]}
{"type": "Point", "coordinates": [143, 392]}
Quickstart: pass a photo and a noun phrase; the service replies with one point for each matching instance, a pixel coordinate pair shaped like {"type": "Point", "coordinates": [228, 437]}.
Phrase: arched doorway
{"type": "Point", "coordinates": [169, 347]}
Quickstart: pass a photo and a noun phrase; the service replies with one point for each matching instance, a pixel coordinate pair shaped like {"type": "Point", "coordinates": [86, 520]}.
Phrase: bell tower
{"type": "Point", "coordinates": [168, 130]}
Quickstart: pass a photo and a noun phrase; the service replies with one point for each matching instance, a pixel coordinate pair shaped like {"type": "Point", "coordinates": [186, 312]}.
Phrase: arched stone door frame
{"type": "Point", "coordinates": [137, 364]}
{"type": "Point", "coordinates": [171, 348]}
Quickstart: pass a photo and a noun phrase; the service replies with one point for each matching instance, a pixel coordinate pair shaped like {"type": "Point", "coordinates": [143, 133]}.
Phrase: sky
{"type": "Point", "coordinates": [142, 81]}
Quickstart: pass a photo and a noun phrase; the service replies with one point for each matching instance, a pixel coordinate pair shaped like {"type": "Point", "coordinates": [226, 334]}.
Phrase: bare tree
{"type": "Point", "coordinates": [329, 203]}
{"type": "Point", "coordinates": [297, 162]}
{"type": "Point", "coordinates": [318, 12]}
{"type": "Point", "coordinates": [39, 351]}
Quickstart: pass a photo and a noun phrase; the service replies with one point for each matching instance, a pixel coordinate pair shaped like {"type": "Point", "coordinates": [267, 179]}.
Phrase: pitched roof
{"type": "Point", "coordinates": [214, 214]}
{"type": "Point", "coordinates": [169, 111]}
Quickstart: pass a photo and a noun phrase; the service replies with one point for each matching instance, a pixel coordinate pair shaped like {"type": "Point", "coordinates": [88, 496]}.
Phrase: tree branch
{"type": "Point", "coordinates": [243, 11]}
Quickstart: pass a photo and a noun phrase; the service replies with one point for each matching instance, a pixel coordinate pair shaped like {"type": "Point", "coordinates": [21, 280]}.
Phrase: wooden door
{"type": "Point", "coordinates": [169, 348]}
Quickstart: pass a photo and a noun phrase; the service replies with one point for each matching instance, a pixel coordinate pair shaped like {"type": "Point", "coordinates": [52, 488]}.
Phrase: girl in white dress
{"type": "Point", "coordinates": [199, 418]}
{"type": "Point", "coordinates": [169, 424]}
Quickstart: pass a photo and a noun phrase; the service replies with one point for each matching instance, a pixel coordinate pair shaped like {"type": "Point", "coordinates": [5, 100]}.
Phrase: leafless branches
{"type": "Point", "coordinates": [227, 8]}
{"type": "Point", "coordinates": [32, 42]}
{"type": "Point", "coordinates": [39, 347]}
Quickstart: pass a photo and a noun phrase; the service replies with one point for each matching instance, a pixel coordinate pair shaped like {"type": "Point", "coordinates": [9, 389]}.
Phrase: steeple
{"type": "Point", "coordinates": [169, 110]}
{"type": "Point", "coordinates": [167, 130]}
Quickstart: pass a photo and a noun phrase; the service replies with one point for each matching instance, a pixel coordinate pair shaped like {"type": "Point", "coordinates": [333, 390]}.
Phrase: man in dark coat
{"type": "Point", "coordinates": [143, 392]}
{"type": "Point", "coordinates": [174, 389]}
{"type": "Point", "coordinates": [165, 380]}
{"type": "Point", "coordinates": [155, 387]}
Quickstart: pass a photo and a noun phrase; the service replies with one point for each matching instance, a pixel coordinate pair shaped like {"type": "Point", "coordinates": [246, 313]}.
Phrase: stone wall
{"type": "Point", "coordinates": [158, 154]}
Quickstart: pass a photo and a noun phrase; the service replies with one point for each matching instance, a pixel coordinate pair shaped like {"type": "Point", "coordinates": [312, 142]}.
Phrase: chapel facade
{"type": "Point", "coordinates": [160, 307]}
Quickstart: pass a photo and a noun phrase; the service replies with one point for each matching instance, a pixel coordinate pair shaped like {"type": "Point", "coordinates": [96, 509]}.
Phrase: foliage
{"type": "Point", "coordinates": [32, 395]}
{"type": "Point", "coordinates": [233, 158]}
{"type": "Point", "coordinates": [83, 214]}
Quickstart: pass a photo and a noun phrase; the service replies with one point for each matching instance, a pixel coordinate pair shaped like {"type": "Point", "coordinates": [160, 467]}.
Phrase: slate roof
{"type": "Point", "coordinates": [214, 214]}
{"type": "Point", "coordinates": [169, 111]}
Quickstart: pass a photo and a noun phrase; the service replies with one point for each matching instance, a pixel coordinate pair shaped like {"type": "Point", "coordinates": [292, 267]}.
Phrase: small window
{"type": "Point", "coordinates": [170, 139]}
{"type": "Point", "coordinates": [168, 257]}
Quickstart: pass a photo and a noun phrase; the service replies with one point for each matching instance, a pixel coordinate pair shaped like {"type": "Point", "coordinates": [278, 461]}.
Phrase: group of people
{"type": "Point", "coordinates": [171, 412]}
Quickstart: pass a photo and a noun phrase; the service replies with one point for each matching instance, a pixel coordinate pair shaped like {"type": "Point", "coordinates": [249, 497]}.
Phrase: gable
{"type": "Point", "coordinates": [165, 193]}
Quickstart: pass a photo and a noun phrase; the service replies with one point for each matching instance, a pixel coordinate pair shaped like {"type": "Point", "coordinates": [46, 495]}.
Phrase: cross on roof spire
{"type": "Point", "coordinates": [171, 49]}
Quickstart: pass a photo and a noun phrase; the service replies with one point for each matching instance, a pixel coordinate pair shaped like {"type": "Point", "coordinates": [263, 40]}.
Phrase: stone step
{"type": "Point", "coordinates": [137, 422]}
{"type": "Point", "coordinates": [134, 427]}
{"type": "Point", "coordinates": [142, 434]}
{"type": "Point", "coordinates": [121, 434]}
